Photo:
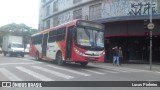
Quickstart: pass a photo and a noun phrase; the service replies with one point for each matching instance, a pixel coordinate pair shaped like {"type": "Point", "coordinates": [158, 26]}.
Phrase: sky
{"type": "Point", "coordinates": [19, 11]}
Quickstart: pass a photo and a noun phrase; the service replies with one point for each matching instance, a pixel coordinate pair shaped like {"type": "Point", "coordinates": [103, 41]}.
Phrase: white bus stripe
{"type": "Point", "coordinates": [34, 74]}
{"type": "Point", "coordinates": [96, 72]}
{"type": "Point", "coordinates": [69, 70]}
{"type": "Point", "coordinates": [9, 75]}
{"type": "Point", "coordinates": [53, 72]}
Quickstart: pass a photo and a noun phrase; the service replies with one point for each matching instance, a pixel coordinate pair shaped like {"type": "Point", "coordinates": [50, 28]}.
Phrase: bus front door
{"type": "Point", "coordinates": [69, 42]}
{"type": "Point", "coordinates": [44, 45]}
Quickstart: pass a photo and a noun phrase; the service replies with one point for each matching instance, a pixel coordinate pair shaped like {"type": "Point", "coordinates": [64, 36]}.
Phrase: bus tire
{"type": "Point", "coordinates": [37, 56]}
{"type": "Point", "coordinates": [59, 60]}
{"type": "Point", "coordinates": [83, 63]}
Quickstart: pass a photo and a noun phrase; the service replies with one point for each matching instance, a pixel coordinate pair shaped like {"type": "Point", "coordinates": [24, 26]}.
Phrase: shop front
{"type": "Point", "coordinates": [134, 40]}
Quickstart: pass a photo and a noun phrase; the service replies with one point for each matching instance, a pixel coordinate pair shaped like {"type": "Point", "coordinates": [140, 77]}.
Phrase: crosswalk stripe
{"type": "Point", "coordinates": [132, 70]}
{"type": "Point", "coordinates": [125, 69]}
{"type": "Point", "coordinates": [34, 74]}
{"type": "Point", "coordinates": [9, 75]}
{"type": "Point", "coordinates": [96, 72]}
{"type": "Point", "coordinates": [135, 70]}
{"type": "Point", "coordinates": [108, 71]}
{"type": "Point", "coordinates": [53, 72]}
{"type": "Point", "coordinates": [114, 69]}
{"type": "Point", "coordinates": [69, 70]}
{"type": "Point", "coordinates": [28, 60]}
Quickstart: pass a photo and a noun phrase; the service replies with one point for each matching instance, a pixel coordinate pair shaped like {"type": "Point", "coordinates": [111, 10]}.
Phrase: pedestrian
{"type": "Point", "coordinates": [115, 55]}
{"type": "Point", "coordinates": [120, 55]}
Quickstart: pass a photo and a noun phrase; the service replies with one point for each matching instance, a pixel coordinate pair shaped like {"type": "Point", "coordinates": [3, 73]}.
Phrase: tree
{"type": "Point", "coordinates": [16, 29]}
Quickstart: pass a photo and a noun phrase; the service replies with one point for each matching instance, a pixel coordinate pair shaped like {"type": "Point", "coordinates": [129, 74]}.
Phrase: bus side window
{"type": "Point", "coordinates": [37, 39]}
{"type": "Point", "coordinates": [61, 34]}
{"type": "Point", "coordinates": [52, 36]}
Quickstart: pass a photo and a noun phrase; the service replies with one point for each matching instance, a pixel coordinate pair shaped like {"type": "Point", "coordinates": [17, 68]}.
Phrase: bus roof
{"type": "Point", "coordinates": [70, 23]}
{"type": "Point", "coordinates": [73, 22]}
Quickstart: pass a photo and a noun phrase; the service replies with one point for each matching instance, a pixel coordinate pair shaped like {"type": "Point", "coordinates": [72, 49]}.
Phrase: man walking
{"type": "Point", "coordinates": [115, 55]}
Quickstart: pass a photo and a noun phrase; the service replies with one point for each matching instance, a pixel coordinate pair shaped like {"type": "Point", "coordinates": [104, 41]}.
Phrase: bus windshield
{"type": "Point", "coordinates": [90, 37]}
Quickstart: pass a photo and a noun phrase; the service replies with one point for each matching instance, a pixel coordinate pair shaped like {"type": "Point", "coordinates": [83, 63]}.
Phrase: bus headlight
{"type": "Point", "coordinates": [78, 52]}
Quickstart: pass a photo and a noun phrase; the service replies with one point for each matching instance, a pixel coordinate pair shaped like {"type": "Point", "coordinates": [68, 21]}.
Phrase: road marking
{"type": "Point", "coordinates": [128, 69]}
{"type": "Point", "coordinates": [34, 74]}
{"type": "Point", "coordinates": [18, 63]}
{"type": "Point", "coordinates": [114, 69]}
{"type": "Point", "coordinates": [53, 72]}
{"type": "Point", "coordinates": [122, 69]}
{"type": "Point", "coordinates": [96, 72]}
{"type": "Point", "coordinates": [9, 75]}
{"type": "Point", "coordinates": [28, 60]}
{"type": "Point", "coordinates": [69, 70]}
{"type": "Point", "coordinates": [157, 71]}
{"type": "Point", "coordinates": [108, 71]}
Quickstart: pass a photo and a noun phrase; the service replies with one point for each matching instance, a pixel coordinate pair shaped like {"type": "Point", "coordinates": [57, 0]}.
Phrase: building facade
{"type": "Point", "coordinates": [123, 20]}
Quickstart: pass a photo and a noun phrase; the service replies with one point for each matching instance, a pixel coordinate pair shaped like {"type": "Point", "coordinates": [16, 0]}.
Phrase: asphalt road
{"type": "Point", "coordinates": [28, 69]}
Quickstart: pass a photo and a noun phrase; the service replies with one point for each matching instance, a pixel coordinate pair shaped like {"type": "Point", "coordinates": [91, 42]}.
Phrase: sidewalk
{"type": "Point", "coordinates": [155, 67]}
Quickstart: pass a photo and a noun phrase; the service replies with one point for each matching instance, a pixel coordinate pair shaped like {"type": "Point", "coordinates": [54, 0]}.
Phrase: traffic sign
{"type": "Point", "coordinates": [150, 26]}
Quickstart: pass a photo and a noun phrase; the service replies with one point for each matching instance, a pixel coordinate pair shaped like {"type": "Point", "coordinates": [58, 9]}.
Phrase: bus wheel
{"type": "Point", "coordinates": [83, 63]}
{"type": "Point", "coordinates": [37, 56]}
{"type": "Point", "coordinates": [59, 58]}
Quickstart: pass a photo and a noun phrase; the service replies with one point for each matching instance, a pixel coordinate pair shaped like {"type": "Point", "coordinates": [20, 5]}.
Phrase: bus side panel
{"type": "Point", "coordinates": [34, 49]}
{"type": "Point", "coordinates": [52, 50]}
{"type": "Point", "coordinates": [62, 47]}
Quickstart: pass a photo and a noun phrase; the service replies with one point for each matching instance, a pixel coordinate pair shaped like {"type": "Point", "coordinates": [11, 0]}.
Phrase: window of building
{"type": "Point", "coordinates": [48, 24]}
{"type": "Point", "coordinates": [55, 21]}
{"type": "Point", "coordinates": [95, 11]}
{"type": "Point", "coordinates": [77, 14]}
{"type": "Point", "coordinates": [47, 10]}
{"type": "Point", "coordinates": [76, 1]}
{"type": "Point", "coordinates": [55, 6]}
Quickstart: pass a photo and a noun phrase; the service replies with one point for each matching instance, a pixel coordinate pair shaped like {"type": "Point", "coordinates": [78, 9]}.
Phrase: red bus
{"type": "Point", "coordinates": [78, 41]}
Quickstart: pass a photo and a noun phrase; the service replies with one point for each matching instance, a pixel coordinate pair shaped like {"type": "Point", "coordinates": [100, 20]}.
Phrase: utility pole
{"type": "Point", "coordinates": [150, 27]}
